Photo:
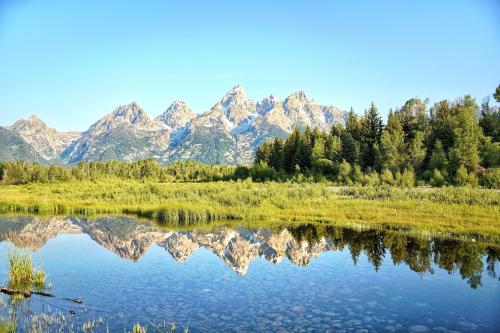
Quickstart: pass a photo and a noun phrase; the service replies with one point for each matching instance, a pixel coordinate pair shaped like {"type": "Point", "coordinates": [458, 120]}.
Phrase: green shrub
{"type": "Point", "coordinates": [344, 176]}
{"type": "Point", "coordinates": [407, 178]}
{"type": "Point", "coordinates": [262, 172]}
{"type": "Point", "coordinates": [241, 172]}
{"type": "Point", "coordinates": [461, 176]}
{"type": "Point", "coordinates": [357, 175]}
{"type": "Point", "coordinates": [387, 177]}
{"type": "Point", "coordinates": [491, 178]}
{"type": "Point", "coordinates": [324, 166]}
{"type": "Point", "coordinates": [371, 179]}
{"type": "Point", "coordinates": [437, 179]}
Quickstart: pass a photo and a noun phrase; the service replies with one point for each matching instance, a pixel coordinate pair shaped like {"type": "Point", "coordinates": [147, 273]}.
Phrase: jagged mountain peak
{"type": "Point", "coordinates": [235, 105]}
{"type": "Point", "coordinates": [46, 141]}
{"type": "Point", "coordinates": [127, 133]}
{"type": "Point", "coordinates": [130, 115]}
{"type": "Point", "coordinates": [131, 112]}
{"type": "Point", "coordinates": [267, 104]}
{"type": "Point", "coordinates": [299, 96]}
{"type": "Point", "coordinates": [178, 103]}
{"type": "Point", "coordinates": [236, 95]}
{"type": "Point", "coordinates": [177, 115]}
{"type": "Point", "coordinates": [33, 120]}
{"type": "Point", "coordinates": [237, 89]}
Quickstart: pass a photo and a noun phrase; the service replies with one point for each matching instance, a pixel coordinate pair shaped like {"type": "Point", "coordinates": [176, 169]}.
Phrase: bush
{"type": "Point", "coordinates": [357, 175]}
{"type": "Point", "coordinates": [437, 179]}
{"type": "Point", "coordinates": [344, 176]}
{"type": "Point", "coordinates": [490, 153]}
{"type": "Point", "coordinates": [472, 180]}
{"type": "Point", "coordinates": [387, 177]}
{"type": "Point", "coordinates": [324, 166]}
{"type": "Point", "coordinates": [461, 176]}
{"type": "Point", "coordinates": [262, 172]}
{"type": "Point", "coordinates": [241, 172]}
{"type": "Point", "coordinates": [407, 178]}
{"type": "Point", "coordinates": [371, 179]}
{"type": "Point", "coordinates": [491, 178]}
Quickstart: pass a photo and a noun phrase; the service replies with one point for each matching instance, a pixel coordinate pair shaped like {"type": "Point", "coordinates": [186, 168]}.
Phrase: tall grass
{"type": "Point", "coordinates": [8, 326]}
{"type": "Point", "coordinates": [449, 195]}
{"type": "Point", "coordinates": [456, 210]}
{"type": "Point", "coordinates": [22, 274]}
{"type": "Point", "coordinates": [172, 328]}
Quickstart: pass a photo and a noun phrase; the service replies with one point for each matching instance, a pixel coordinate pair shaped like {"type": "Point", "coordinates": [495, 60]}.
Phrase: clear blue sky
{"type": "Point", "coordinates": [71, 62]}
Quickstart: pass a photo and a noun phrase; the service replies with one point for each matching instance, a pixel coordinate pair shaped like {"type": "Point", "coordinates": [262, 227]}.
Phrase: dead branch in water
{"type": "Point", "coordinates": [74, 300]}
{"type": "Point", "coordinates": [26, 294]}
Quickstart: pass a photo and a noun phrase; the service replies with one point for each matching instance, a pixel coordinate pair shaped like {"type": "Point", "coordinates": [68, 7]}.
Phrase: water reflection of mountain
{"type": "Point", "coordinates": [239, 247]}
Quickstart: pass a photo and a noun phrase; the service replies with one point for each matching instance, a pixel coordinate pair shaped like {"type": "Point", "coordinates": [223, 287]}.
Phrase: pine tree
{"type": "Point", "coordinates": [438, 158]}
{"type": "Point", "coordinates": [353, 125]}
{"type": "Point", "coordinates": [490, 121]}
{"type": "Point", "coordinates": [333, 148]}
{"type": "Point", "coordinates": [304, 148]}
{"type": "Point", "coordinates": [413, 118]}
{"type": "Point", "coordinates": [263, 153]}
{"type": "Point", "coordinates": [392, 145]}
{"type": "Point", "coordinates": [496, 95]}
{"type": "Point", "coordinates": [318, 150]}
{"type": "Point", "coordinates": [337, 130]}
{"type": "Point", "coordinates": [465, 150]}
{"type": "Point", "coordinates": [349, 148]}
{"type": "Point", "coordinates": [371, 130]}
{"type": "Point", "coordinates": [442, 125]}
{"type": "Point", "coordinates": [417, 151]}
{"type": "Point", "coordinates": [276, 155]}
{"type": "Point", "coordinates": [290, 151]}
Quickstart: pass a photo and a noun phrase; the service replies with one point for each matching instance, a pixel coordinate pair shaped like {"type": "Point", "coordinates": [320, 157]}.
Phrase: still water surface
{"type": "Point", "coordinates": [299, 278]}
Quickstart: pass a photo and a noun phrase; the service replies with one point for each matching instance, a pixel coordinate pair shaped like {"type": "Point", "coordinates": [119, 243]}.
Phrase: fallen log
{"type": "Point", "coordinates": [26, 294]}
{"type": "Point", "coordinates": [10, 291]}
{"type": "Point", "coordinates": [42, 293]}
{"type": "Point", "coordinates": [74, 300]}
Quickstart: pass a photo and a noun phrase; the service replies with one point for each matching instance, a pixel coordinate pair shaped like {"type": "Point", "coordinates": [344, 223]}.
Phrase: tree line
{"type": "Point", "coordinates": [21, 172]}
{"type": "Point", "coordinates": [418, 253]}
{"type": "Point", "coordinates": [451, 143]}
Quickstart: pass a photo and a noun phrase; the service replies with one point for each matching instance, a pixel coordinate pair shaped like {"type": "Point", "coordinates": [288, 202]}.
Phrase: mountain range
{"type": "Point", "coordinates": [130, 239]}
{"type": "Point", "coordinates": [228, 133]}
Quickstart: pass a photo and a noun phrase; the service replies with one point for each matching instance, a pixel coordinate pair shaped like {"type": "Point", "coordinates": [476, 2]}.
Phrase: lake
{"type": "Point", "coordinates": [227, 278]}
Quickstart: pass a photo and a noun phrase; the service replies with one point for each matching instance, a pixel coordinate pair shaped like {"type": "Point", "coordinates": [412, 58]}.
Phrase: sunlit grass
{"type": "Point", "coordinates": [22, 274]}
{"type": "Point", "coordinates": [7, 326]}
{"type": "Point", "coordinates": [446, 210]}
{"type": "Point", "coordinates": [138, 328]}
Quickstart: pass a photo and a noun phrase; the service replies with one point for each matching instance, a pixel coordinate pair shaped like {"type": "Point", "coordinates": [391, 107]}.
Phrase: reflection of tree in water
{"type": "Point", "coordinates": [453, 255]}
{"type": "Point", "coordinates": [492, 255]}
{"type": "Point", "coordinates": [419, 253]}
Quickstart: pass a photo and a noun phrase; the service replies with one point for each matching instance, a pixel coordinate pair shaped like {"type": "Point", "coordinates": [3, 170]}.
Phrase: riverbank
{"type": "Point", "coordinates": [473, 212]}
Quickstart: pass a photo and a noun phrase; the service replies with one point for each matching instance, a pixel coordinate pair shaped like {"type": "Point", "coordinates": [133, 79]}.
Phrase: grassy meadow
{"type": "Point", "coordinates": [474, 212]}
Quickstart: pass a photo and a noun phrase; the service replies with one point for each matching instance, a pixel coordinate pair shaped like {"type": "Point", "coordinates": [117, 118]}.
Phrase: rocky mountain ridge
{"type": "Point", "coordinates": [130, 239]}
{"type": "Point", "coordinates": [228, 133]}
{"type": "Point", "coordinates": [47, 142]}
